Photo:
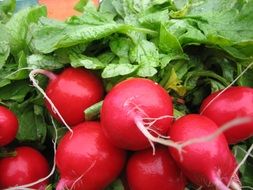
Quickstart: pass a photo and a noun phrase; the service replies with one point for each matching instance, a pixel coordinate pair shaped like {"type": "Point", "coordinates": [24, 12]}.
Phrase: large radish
{"type": "Point", "coordinates": [27, 166]}
{"type": "Point", "coordinates": [71, 92]}
{"type": "Point", "coordinates": [135, 112]}
{"type": "Point", "coordinates": [209, 164]}
{"type": "Point", "coordinates": [86, 160]}
{"type": "Point", "coordinates": [149, 172]}
{"type": "Point", "coordinates": [8, 126]}
{"type": "Point", "coordinates": [224, 106]}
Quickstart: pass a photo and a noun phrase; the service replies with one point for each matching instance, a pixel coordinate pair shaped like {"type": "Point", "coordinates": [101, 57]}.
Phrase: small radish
{"type": "Point", "coordinates": [224, 106]}
{"type": "Point", "coordinates": [208, 164]}
{"type": "Point", "coordinates": [72, 91]}
{"type": "Point", "coordinates": [86, 160]}
{"type": "Point", "coordinates": [8, 126]}
{"type": "Point", "coordinates": [27, 166]}
{"type": "Point", "coordinates": [135, 112]}
{"type": "Point", "coordinates": [149, 172]}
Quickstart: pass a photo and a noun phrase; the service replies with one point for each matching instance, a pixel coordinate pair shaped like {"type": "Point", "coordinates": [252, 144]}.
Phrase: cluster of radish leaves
{"type": "Point", "coordinates": [190, 47]}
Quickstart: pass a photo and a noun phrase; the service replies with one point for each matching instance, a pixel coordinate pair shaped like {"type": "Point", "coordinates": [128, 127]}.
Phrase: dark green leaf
{"type": "Point", "coordinates": [15, 91]}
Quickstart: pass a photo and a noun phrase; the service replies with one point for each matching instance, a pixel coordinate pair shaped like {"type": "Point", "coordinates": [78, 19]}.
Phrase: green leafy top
{"type": "Point", "coordinates": [189, 47]}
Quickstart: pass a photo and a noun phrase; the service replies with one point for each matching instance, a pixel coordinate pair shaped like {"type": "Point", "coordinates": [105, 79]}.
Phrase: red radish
{"type": "Point", "coordinates": [8, 126]}
{"type": "Point", "coordinates": [149, 172]}
{"type": "Point", "coordinates": [224, 106]}
{"type": "Point", "coordinates": [208, 164]}
{"type": "Point", "coordinates": [26, 167]}
{"type": "Point", "coordinates": [132, 110]}
{"type": "Point", "coordinates": [86, 160]}
{"type": "Point", "coordinates": [71, 92]}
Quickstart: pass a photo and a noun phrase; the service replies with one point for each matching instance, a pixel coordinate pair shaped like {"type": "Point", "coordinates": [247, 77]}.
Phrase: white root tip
{"type": "Point", "coordinates": [235, 186]}
{"type": "Point", "coordinates": [219, 184]}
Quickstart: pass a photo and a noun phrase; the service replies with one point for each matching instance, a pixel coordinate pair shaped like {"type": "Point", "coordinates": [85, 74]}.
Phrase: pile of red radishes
{"type": "Point", "coordinates": [136, 138]}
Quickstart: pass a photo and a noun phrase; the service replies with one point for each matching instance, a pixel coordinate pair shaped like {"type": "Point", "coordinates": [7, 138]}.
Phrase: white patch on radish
{"type": "Point", "coordinates": [50, 75]}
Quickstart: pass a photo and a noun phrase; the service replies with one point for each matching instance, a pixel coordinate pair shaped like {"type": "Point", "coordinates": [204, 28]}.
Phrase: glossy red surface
{"type": "Point", "coordinates": [233, 103]}
{"type": "Point", "coordinates": [149, 172]}
{"type": "Point", "coordinates": [88, 156]}
{"type": "Point", "coordinates": [27, 166]}
{"type": "Point", "coordinates": [8, 126]}
{"type": "Point", "coordinates": [202, 162]}
{"type": "Point", "coordinates": [72, 91]}
{"type": "Point", "coordinates": [131, 98]}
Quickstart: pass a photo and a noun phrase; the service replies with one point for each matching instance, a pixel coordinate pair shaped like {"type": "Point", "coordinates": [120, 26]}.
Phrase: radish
{"type": "Point", "coordinates": [149, 172]}
{"type": "Point", "coordinates": [135, 112]}
{"type": "Point", "coordinates": [71, 92]}
{"type": "Point", "coordinates": [27, 166]}
{"type": "Point", "coordinates": [8, 126]}
{"type": "Point", "coordinates": [232, 103]}
{"type": "Point", "coordinates": [209, 164]}
{"type": "Point", "coordinates": [86, 160]}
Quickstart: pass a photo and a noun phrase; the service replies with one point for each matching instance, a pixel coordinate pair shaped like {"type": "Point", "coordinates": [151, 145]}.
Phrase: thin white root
{"type": "Point", "coordinates": [247, 187]}
{"type": "Point", "coordinates": [26, 186]}
{"type": "Point", "coordinates": [231, 84]}
{"type": "Point", "coordinates": [219, 131]}
{"type": "Point", "coordinates": [151, 138]}
{"type": "Point", "coordinates": [240, 164]}
{"type": "Point", "coordinates": [250, 155]}
{"type": "Point", "coordinates": [235, 186]}
{"type": "Point", "coordinates": [32, 75]}
{"type": "Point", "coordinates": [80, 177]}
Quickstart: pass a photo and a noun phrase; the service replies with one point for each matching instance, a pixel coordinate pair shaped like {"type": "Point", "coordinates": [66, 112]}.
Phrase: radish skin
{"type": "Point", "coordinates": [86, 160]}
{"type": "Point", "coordinates": [209, 164]}
{"type": "Point", "coordinates": [235, 102]}
{"type": "Point", "coordinates": [148, 171]}
{"type": "Point", "coordinates": [126, 111]}
{"type": "Point", "coordinates": [69, 93]}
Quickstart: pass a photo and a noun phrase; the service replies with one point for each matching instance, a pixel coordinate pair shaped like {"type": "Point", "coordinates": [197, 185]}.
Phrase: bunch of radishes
{"type": "Point", "coordinates": [137, 136]}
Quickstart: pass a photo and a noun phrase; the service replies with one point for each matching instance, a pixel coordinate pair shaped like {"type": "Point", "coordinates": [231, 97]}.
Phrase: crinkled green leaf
{"type": "Point", "coordinates": [47, 38]}
{"type": "Point", "coordinates": [170, 45]}
{"type": "Point", "coordinates": [146, 71]}
{"type": "Point", "coordinates": [4, 52]}
{"type": "Point", "coordinates": [7, 8]}
{"type": "Point", "coordinates": [85, 61]}
{"type": "Point", "coordinates": [145, 53]}
{"type": "Point", "coordinates": [40, 61]}
{"type": "Point", "coordinates": [113, 70]}
{"type": "Point", "coordinates": [92, 16]}
{"type": "Point", "coordinates": [17, 27]}
{"type": "Point", "coordinates": [153, 20]}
